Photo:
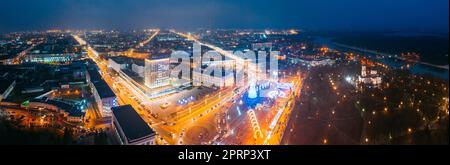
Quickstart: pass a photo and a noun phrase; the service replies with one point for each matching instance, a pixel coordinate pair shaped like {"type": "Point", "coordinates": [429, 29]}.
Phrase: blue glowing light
{"type": "Point", "coordinates": [252, 91]}
{"type": "Point", "coordinates": [186, 100]}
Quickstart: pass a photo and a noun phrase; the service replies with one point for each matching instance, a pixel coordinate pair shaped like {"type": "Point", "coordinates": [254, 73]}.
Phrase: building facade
{"type": "Point", "coordinates": [105, 98]}
{"type": "Point", "coordinates": [118, 63]}
{"type": "Point", "coordinates": [157, 72]}
{"type": "Point", "coordinates": [52, 58]}
{"type": "Point", "coordinates": [211, 80]}
{"type": "Point", "coordinates": [70, 112]}
{"type": "Point", "coordinates": [138, 69]}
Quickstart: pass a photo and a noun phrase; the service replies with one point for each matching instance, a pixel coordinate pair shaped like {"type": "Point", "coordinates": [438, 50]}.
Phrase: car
{"type": "Point", "coordinates": [155, 116]}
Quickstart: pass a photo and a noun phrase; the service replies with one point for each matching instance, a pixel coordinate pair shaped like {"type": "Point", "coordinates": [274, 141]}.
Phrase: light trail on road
{"type": "Point", "coordinates": [131, 50]}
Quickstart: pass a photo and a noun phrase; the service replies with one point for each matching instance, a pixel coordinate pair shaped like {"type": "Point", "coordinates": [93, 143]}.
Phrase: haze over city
{"type": "Point", "coordinates": [331, 15]}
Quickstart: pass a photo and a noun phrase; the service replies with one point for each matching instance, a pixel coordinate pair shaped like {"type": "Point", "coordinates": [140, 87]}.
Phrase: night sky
{"type": "Point", "coordinates": [347, 15]}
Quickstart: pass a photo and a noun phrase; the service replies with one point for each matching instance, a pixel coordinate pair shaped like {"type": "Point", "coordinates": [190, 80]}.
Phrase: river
{"type": "Point", "coordinates": [392, 61]}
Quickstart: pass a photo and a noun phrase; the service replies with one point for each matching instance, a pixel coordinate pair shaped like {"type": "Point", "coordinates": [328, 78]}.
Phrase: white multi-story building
{"type": "Point", "coordinates": [211, 80]}
{"type": "Point", "coordinates": [103, 94]}
{"type": "Point", "coordinates": [118, 63]}
{"type": "Point", "coordinates": [157, 72]}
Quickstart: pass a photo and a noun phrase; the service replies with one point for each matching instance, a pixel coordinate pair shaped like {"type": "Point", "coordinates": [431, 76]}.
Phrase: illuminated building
{"type": "Point", "coordinates": [229, 63]}
{"type": "Point", "coordinates": [363, 71]}
{"type": "Point", "coordinates": [52, 58]}
{"type": "Point", "coordinates": [130, 128]}
{"type": "Point", "coordinates": [313, 61]}
{"type": "Point", "coordinates": [322, 62]}
{"type": "Point", "coordinates": [103, 94]}
{"type": "Point", "coordinates": [157, 71]}
{"type": "Point", "coordinates": [181, 71]}
{"type": "Point", "coordinates": [118, 63]}
{"type": "Point", "coordinates": [69, 111]}
{"type": "Point", "coordinates": [138, 68]}
{"type": "Point", "coordinates": [371, 79]}
{"type": "Point", "coordinates": [262, 46]}
{"type": "Point", "coordinates": [211, 80]}
{"type": "Point", "coordinates": [58, 48]}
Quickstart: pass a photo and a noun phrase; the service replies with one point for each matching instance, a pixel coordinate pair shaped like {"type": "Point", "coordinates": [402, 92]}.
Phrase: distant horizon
{"type": "Point", "coordinates": [318, 15]}
{"type": "Point", "coordinates": [417, 33]}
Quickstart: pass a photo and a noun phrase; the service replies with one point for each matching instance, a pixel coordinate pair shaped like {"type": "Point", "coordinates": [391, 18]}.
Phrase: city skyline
{"type": "Point", "coordinates": [351, 15]}
{"type": "Point", "coordinates": [224, 72]}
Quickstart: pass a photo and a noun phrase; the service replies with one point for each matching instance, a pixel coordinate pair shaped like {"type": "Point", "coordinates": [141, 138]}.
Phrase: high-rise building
{"type": "Point", "coordinates": [157, 71]}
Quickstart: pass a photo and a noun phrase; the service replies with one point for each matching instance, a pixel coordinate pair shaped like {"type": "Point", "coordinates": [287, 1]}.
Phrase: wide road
{"type": "Point", "coordinates": [130, 52]}
{"type": "Point", "coordinates": [128, 93]}
{"type": "Point", "coordinates": [124, 90]}
{"type": "Point", "coordinates": [274, 130]}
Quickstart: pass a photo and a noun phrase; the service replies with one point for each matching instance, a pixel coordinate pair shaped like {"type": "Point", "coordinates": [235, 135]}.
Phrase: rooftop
{"type": "Point", "coordinates": [139, 62]}
{"type": "Point", "coordinates": [100, 85]}
{"type": "Point", "coordinates": [121, 59]}
{"type": "Point", "coordinates": [94, 75]}
{"type": "Point", "coordinates": [159, 56]}
{"type": "Point", "coordinates": [133, 126]}
{"type": "Point", "coordinates": [69, 108]}
{"type": "Point", "coordinates": [103, 89]}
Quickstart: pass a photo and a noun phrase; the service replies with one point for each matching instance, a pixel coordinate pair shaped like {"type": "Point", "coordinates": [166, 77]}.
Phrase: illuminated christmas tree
{"type": "Point", "coordinates": [252, 91]}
